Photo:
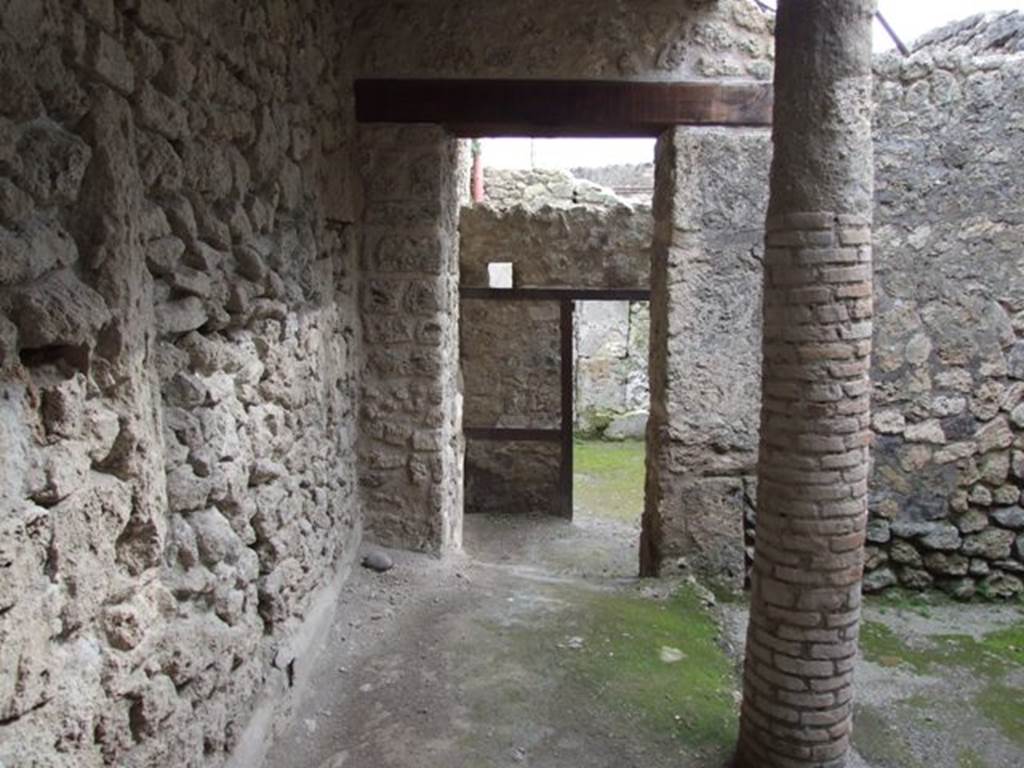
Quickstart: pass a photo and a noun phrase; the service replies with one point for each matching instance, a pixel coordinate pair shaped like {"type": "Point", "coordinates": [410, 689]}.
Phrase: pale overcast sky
{"type": "Point", "coordinates": [910, 19]}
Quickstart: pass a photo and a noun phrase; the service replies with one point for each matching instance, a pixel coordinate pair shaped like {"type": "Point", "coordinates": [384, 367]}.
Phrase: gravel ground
{"type": "Point", "coordinates": [472, 663]}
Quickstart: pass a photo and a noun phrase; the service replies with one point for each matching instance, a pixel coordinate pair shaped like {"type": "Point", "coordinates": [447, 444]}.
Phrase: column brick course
{"type": "Point", "coordinates": [812, 487]}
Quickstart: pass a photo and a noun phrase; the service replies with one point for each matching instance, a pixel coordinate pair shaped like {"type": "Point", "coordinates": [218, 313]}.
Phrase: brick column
{"type": "Point", "coordinates": [815, 421]}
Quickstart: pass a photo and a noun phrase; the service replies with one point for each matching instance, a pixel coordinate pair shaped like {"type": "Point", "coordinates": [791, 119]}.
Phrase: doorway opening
{"type": "Point", "coordinates": [555, 269]}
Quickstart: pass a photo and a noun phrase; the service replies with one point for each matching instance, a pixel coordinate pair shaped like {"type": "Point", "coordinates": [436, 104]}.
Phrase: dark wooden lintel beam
{"type": "Point", "coordinates": [513, 435]}
{"type": "Point", "coordinates": [556, 294]}
{"type": "Point", "coordinates": [562, 107]}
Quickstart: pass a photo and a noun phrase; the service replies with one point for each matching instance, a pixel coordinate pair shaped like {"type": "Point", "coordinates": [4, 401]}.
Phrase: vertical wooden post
{"type": "Point", "coordinates": [565, 476]}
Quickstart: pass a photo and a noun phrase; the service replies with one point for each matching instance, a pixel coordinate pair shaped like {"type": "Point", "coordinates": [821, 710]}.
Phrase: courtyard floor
{"type": "Point", "coordinates": [538, 647]}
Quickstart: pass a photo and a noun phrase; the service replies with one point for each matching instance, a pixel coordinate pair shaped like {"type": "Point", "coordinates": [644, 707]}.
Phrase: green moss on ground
{"type": "Point", "coordinates": [602, 661]}
{"type": "Point", "coordinates": [878, 738]}
{"type": "Point", "coordinates": [1004, 706]}
{"type": "Point", "coordinates": [921, 603]}
{"type": "Point", "coordinates": [990, 656]}
{"type": "Point", "coordinates": [609, 478]}
{"type": "Point", "coordinates": [992, 659]}
{"type": "Point", "coordinates": [968, 758]}
{"type": "Point", "coordinates": [693, 697]}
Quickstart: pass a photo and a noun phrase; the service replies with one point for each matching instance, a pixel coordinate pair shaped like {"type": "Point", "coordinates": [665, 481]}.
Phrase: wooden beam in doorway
{"type": "Point", "coordinates": [556, 294]}
{"type": "Point", "coordinates": [565, 471]}
{"type": "Point", "coordinates": [513, 435]}
{"type": "Point", "coordinates": [552, 108]}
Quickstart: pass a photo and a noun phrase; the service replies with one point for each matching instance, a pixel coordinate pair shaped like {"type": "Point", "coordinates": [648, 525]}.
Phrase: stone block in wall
{"type": "Point", "coordinates": [702, 522]}
{"type": "Point", "coordinates": [59, 310]}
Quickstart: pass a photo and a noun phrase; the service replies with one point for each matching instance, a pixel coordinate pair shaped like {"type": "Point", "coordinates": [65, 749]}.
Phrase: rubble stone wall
{"type": "Point", "coordinates": [656, 39]}
{"type": "Point", "coordinates": [948, 376]}
{"type": "Point", "coordinates": [410, 418]}
{"type": "Point", "coordinates": [179, 346]}
{"type": "Point", "coordinates": [949, 289]}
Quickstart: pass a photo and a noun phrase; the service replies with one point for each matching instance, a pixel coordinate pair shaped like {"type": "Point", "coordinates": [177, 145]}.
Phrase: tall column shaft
{"type": "Point", "coordinates": [816, 389]}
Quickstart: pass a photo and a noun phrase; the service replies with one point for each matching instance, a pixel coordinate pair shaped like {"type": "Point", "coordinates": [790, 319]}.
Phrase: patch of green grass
{"type": "Point", "coordinates": [992, 658]}
{"type": "Point", "coordinates": [968, 758]}
{"type": "Point", "coordinates": [879, 740]}
{"type": "Point", "coordinates": [609, 478]}
{"type": "Point", "coordinates": [1004, 706]}
{"type": "Point", "coordinates": [693, 697]}
{"type": "Point", "coordinates": [897, 599]}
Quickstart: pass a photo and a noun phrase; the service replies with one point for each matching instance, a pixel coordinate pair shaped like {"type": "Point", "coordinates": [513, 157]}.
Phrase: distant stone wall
{"type": "Point", "coordinates": [611, 338]}
{"type": "Point", "coordinates": [610, 360]}
{"type": "Point", "coordinates": [543, 187]}
{"type": "Point", "coordinates": [949, 287]}
{"type": "Point", "coordinates": [510, 352]}
{"type": "Point", "coordinates": [179, 350]}
{"type": "Point", "coordinates": [631, 182]}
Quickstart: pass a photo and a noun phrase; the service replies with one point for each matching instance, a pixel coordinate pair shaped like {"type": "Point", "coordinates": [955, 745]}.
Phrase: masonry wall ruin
{"type": "Point", "coordinates": [947, 472]}
{"type": "Point", "coordinates": [710, 196]}
{"type": "Point", "coordinates": [949, 291]}
{"type": "Point", "coordinates": [410, 414]}
{"type": "Point", "coordinates": [611, 348]}
{"type": "Point", "coordinates": [179, 346]}
{"type": "Point", "coordinates": [181, 337]}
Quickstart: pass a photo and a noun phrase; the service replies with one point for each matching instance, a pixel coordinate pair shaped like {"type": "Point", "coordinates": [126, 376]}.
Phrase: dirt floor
{"type": "Point", "coordinates": [538, 647]}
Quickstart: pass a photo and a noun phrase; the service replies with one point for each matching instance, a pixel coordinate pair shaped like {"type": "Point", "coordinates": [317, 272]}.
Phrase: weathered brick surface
{"type": "Point", "coordinates": [812, 513]}
{"type": "Point", "coordinates": [812, 506]}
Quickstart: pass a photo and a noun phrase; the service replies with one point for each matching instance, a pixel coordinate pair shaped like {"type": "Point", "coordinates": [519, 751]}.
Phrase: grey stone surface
{"type": "Point", "coordinates": [660, 39]}
{"type": "Point", "coordinates": [946, 336]}
{"type": "Point", "coordinates": [705, 347]}
{"type": "Point", "coordinates": [152, 566]}
{"type": "Point", "coordinates": [410, 446]}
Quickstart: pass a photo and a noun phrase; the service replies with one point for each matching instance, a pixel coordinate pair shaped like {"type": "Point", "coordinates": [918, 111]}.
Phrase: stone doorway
{"type": "Point", "coordinates": [694, 508]}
